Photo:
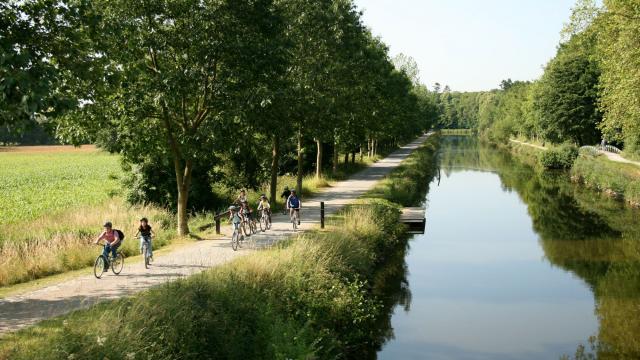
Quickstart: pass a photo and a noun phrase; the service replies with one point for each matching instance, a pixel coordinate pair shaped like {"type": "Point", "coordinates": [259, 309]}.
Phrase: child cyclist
{"type": "Point", "coordinates": [263, 204]}
{"type": "Point", "coordinates": [235, 216]}
{"type": "Point", "coordinates": [247, 212]}
{"type": "Point", "coordinates": [146, 234]}
{"type": "Point", "coordinates": [294, 204]}
{"type": "Point", "coordinates": [112, 241]}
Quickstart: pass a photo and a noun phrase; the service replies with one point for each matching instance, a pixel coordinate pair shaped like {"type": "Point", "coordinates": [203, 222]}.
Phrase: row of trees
{"type": "Point", "coordinates": [590, 90]}
{"type": "Point", "coordinates": [203, 89]}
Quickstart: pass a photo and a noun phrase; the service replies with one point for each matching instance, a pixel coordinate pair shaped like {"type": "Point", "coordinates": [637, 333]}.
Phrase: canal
{"type": "Point", "coordinates": [516, 263]}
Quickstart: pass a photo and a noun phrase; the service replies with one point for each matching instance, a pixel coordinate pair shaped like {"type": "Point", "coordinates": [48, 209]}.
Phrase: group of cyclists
{"type": "Point", "coordinates": [239, 212]}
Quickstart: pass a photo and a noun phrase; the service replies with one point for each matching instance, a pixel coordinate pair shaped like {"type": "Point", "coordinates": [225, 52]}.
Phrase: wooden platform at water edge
{"type": "Point", "coordinates": [414, 218]}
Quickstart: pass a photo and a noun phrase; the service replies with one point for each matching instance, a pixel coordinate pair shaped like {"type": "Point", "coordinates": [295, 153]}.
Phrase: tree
{"type": "Point", "coordinates": [176, 72]}
{"type": "Point", "coordinates": [619, 53]}
{"type": "Point", "coordinates": [40, 41]}
{"type": "Point", "coordinates": [408, 66]}
{"type": "Point", "coordinates": [568, 94]}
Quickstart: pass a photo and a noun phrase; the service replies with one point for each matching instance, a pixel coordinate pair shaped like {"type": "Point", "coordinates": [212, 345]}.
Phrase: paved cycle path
{"type": "Point", "coordinates": [49, 301]}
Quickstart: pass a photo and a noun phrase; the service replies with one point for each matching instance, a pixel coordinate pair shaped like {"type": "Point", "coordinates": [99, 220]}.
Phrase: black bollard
{"type": "Point", "coordinates": [321, 214]}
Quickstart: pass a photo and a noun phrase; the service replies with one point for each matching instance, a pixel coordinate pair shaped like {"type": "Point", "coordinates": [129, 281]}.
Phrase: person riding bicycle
{"type": "Point", "coordinates": [263, 204]}
{"type": "Point", "coordinates": [146, 234]}
{"type": "Point", "coordinates": [247, 212]}
{"type": "Point", "coordinates": [112, 241]}
{"type": "Point", "coordinates": [285, 196]}
{"type": "Point", "coordinates": [241, 198]}
{"type": "Point", "coordinates": [235, 217]}
{"type": "Point", "coordinates": [293, 204]}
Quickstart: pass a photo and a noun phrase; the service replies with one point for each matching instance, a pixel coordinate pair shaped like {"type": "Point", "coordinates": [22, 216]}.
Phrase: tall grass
{"type": "Point", "coordinates": [308, 298]}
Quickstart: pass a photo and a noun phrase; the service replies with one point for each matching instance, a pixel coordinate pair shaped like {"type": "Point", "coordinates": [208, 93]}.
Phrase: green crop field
{"type": "Point", "coordinates": [37, 184]}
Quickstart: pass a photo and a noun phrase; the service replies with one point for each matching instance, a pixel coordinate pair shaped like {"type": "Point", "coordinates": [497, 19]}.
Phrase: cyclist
{"type": "Point", "coordinates": [235, 217]}
{"type": "Point", "coordinates": [293, 204]}
{"type": "Point", "coordinates": [242, 197]}
{"type": "Point", "coordinates": [247, 212]}
{"type": "Point", "coordinates": [146, 233]}
{"type": "Point", "coordinates": [263, 204]}
{"type": "Point", "coordinates": [285, 195]}
{"type": "Point", "coordinates": [112, 242]}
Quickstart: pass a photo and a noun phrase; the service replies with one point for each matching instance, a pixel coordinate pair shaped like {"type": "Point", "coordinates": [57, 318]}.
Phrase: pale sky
{"type": "Point", "coordinates": [470, 45]}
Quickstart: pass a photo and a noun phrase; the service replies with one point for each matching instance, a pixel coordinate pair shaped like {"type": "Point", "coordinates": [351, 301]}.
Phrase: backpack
{"type": "Point", "coordinates": [120, 234]}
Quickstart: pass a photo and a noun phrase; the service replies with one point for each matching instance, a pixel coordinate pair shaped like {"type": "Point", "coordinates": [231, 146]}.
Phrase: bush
{"type": "Point", "coordinates": [560, 157]}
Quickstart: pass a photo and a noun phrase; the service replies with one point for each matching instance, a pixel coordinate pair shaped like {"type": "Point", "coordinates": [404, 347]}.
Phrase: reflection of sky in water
{"type": "Point", "coordinates": [480, 286]}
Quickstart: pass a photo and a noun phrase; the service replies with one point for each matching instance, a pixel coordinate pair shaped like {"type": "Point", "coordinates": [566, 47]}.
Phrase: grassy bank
{"type": "Point", "coordinates": [311, 297]}
{"type": "Point", "coordinates": [618, 180]}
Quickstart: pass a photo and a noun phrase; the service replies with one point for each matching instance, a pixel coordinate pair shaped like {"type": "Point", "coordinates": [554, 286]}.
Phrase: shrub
{"type": "Point", "coordinates": [560, 157]}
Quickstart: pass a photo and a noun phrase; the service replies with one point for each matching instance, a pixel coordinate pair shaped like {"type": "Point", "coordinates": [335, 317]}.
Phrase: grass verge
{"type": "Point", "coordinates": [616, 179]}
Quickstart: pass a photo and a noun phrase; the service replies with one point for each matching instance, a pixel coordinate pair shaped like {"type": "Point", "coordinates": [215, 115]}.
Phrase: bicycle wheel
{"type": "Point", "coordinates": [235, 240]}
{"type": "Point", "coordinates": [246, 228]}
{"type": "Point", "coordinates": [117, 264]}
{"type": "Point", "coordinates": [263, 224]}
{"type": "Point", "coordinates": [268, 222]}
{"type": "Point", "coordinates": [98, 267]}
{"type": "Point", "coordinates": [294, 221]}
{"type": "Point", "coordinates": [253, 227]}
{"type": "Point", "coordinates": [145, 254]}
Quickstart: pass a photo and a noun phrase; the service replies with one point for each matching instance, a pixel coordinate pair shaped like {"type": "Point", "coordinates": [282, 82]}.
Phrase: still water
{"type": "Point", "coordinates": [517, 264]}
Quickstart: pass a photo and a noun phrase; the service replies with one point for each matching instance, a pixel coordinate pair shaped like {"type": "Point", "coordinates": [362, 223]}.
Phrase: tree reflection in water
{"type": "Point", "coordinates": [581, 231]}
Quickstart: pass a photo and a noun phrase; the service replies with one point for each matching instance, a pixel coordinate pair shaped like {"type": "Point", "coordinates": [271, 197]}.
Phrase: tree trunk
{"type": "Point", "coordinates": [369, 147]}
{"type": "Point", "coordinates": [319, 159]}
{"type": "Point", "coordinates": [375, 146]}
{"type": "Point", "coordinates": [299, 176]}
{"type": "Point", "coordinates": [353, 157]}
{"type": "Point", "coordinates": [346, 158]}
{"type": "Point", "coordinates": [184, 182]}
{"type": "Point", "coordinates": [275, 159]}
{"type": "Point", "coordinates": [361, 154]}
{"type": "Point", "coordinates": [334, 164]}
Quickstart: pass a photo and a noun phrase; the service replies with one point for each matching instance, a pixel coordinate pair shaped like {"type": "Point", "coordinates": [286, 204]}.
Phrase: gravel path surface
{"type": "Point", "coordinates": [80, 292]}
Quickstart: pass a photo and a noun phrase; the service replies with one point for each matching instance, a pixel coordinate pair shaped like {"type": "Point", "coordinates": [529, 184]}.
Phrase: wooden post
{"type": "Point", "coordinates": [217, 219]}
{"type": "Point", "coordinates": [321, 214]}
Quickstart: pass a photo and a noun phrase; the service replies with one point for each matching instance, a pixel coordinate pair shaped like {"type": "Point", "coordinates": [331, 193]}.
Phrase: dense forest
{"type": "Point", "coordinates": [588, 92]}
{"type": "Point", "coordinates": [194, 93]}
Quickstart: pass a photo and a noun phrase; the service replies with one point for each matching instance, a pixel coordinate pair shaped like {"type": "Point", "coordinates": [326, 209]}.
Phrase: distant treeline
{"type": "Point", "coordinates": [589, 91]}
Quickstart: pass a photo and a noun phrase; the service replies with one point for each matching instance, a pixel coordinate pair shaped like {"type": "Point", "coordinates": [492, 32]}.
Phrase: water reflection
{"type": "Point", "coordinates": [480, 278]}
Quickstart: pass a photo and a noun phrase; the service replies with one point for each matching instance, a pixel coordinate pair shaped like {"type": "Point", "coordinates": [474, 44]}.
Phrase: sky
{"type": "Point", "coordinates": [470, 45]}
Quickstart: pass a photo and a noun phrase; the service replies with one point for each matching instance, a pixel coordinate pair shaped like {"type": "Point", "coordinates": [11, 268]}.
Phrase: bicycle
{"type": "Point", "coordinates": [102, 265]}
{"type": "Point", "coordinates": [249, 226]}
{"type": "Point", "coordinates": [295, 218]}
{"type": "Point", "coordinates": [237, 238]}
{"type": "Point", "coordinates": [146, 252]}
{"type": "Point", "coordinates": [265, 221]}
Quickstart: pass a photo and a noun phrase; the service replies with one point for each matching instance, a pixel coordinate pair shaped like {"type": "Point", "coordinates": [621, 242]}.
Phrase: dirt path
{"type": "Point", "coordinates": [618, 158]}
{"type": "Point", "coordinates": [528, 144]}
{"type": "Point", "coordinates": [53, 300]}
